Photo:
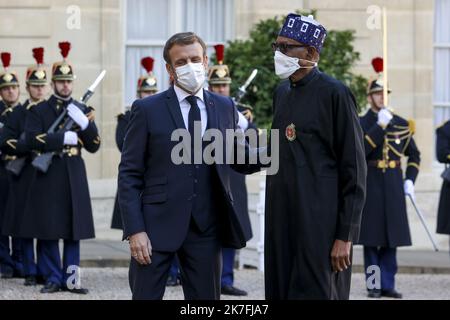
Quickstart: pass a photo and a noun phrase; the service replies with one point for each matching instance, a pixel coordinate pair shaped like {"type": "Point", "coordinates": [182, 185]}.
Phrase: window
{"type": "Point", "coordinates": [149, 23]}
{"type": "Point", "coordinates": [442, 61]}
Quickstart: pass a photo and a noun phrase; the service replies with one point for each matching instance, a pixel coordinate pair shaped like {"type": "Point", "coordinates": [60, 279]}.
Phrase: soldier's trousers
{"type": "Point", "coordinates": [228, 255]}
{"type": "Point", "coordinates": [52, 269]}
{"type": "Point", "coordinates": [386, 260]}
{"type": "Point", "coordinates": [11, 256]}
{"type": "Point", "coordinates": [30, 266]}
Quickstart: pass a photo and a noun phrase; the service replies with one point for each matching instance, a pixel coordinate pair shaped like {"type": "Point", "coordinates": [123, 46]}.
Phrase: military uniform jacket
{"type": "Point", "coordinates": [443, 155]}
{"type": "Point", "coordinates": [13, 145]}
{"type": "Point", "coordinates": [317, 195]}
{"type": "Point", "coordinates": [384, 221]}
{"type": "Point", "coordinates": [59, 205]}
{"type": "Point", "coordinates": [5, 111]}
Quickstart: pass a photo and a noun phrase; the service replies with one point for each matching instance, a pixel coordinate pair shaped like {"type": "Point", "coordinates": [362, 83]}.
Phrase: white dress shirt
{"type": "Point", "coordinates": [185, 107]}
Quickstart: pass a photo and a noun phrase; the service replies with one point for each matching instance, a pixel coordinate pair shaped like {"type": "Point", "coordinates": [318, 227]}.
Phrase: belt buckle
{"type": "Point", "coordinates": [392, 164]}
{"type": "Point", "coordinates": [73, 152]}
{"type": "Point", "coordinates": [381, 164]}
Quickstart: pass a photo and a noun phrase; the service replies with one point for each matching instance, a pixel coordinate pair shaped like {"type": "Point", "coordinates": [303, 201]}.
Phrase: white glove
{"type": "Point", "coordinates": [243, 122]}
{"type": "Point", "coordinates": [409, 188]}
{"type": "Point", "coordinates": [384, 117]}
{"type": "Point", "coordinates": [78, 116]}
{"type": "Point", "coordinates": [70, 138]}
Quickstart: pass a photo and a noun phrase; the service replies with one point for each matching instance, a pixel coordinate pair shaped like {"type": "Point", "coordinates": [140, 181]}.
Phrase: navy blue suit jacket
{"type": "Point", "coordinates": [154, 193]}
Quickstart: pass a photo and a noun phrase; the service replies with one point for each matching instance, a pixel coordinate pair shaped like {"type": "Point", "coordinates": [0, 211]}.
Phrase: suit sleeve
{"type": "Point", "coordinates": [36, 136]}
{"type": "Point", "coordinates": [443, 143]}
{"type": "Point", "coordinates": [352, 168]}
{"type": "Point", "coordinates": [131, 172]}
{"type": "Point", "coordinates": [252, 162]}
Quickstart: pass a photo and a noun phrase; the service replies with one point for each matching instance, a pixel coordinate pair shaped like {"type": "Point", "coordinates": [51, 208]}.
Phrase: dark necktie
{"type": "Point", "coordinates": [194, 115]}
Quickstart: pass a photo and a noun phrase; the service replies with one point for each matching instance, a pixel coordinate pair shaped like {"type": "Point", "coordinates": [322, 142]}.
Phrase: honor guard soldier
{"type": "Point", "coordinates": [20, 171]}
{"type": "Point", "coordinates": [219, 80]}
{"type": "Point", "coordinates": [443, 156]}
{"type": "Point", "coordinates": [146, 86]}
{"type": "Point", "coordinates": [10, 258]}
{"type": "Point", "coordinates": [384, 225]}
{"type": "Point", "coordinates": [58, 205]}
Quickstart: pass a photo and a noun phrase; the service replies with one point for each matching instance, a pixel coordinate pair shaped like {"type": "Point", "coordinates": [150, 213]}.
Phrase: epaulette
{"type": "Point", "coordinates": [412, 126]}
{"type": "Point", "coordinates": [245, 106]}
{"type": "Point", "coordinates": [442, 124]}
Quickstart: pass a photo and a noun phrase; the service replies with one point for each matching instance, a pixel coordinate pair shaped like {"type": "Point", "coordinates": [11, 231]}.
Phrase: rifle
{"type": "Point", "coordinates": [42, 162]}
{"type": "Point", "coordinates": [16, 165]}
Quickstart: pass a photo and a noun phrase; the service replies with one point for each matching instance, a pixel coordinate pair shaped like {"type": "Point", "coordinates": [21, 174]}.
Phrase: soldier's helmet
{"type": "Point", "coordinates": [376, 83]}
{"type": "Point", "coordinates": [37, 75]}
{"type": "Point", "coordinates": [147, 82]}
{"type": "Point", "coordinates": [7, 78]}
{"type": "Point", "coordinates": [219, 73]}
{"type": "Point", "coordinates": [63, 70]}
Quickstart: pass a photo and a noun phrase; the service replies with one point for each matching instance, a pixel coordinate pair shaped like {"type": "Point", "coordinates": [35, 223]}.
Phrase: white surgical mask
{"type": "Point", "coordinates": [285, 66]}
{"type": "Point", "coordinates": [191, 77]}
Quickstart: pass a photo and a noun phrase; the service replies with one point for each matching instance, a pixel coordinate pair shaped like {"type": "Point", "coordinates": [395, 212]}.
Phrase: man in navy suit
{"type": "Point", "coordinates": [184, 209]}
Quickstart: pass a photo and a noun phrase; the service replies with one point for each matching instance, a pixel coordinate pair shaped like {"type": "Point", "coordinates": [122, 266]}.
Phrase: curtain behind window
{"type": "Point", "coordinates": [442, 61]}
{"type": "Point", "coordinates": [149, 23]}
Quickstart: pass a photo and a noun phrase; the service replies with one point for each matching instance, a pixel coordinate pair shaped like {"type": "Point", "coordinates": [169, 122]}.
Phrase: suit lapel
{"type": "Point", "coordinates": [174, 109]}
{"type": "Point", "coordinates": [211, 110]}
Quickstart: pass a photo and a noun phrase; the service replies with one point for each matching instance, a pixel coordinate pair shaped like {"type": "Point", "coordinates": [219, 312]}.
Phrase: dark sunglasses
{"type": "Point", "coordinates": [286, 47]}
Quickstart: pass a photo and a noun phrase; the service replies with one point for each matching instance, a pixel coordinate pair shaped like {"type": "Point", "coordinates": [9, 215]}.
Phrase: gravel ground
{"type": "Point", "coordinates": [112, 283]}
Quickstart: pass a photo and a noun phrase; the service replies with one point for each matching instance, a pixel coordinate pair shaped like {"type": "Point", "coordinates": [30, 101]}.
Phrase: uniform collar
{"type": "Point", "coordinates": [306, 79]}
{"type": "Point", "coordinates": [57, 102]}
{"type": "Point", "coordinates": [11, 106]}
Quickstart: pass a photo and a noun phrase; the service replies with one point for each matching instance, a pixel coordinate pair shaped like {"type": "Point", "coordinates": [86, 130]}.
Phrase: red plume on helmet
{"type": "Point", "coordinates": [65, 49]}
{"type": "Point", "coordinates": [147, 64]}
{"type": "Point", "coordinates": [378, 64]}
{"type": "Point", "coordinates": [38, 55]}
{"type": "Point", "coordinates": [220, 48]}
{"type": "Point", "coordinates": [6, 59]}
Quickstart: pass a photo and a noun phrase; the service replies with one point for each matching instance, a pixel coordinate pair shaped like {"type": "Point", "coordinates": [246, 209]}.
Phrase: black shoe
{"type": "Point", "coordinates": [30, 281]}
{"type": "Point", "coordinates": [18, 274]}
{"type": "Point", "coordinates": [40, 280]}
{"type": "Point", "coordinates": [232, 291]}
{"type": "Point", "coordinates": [50, 287]}
{"type": "Point", "coordinates": [172, 281]}
{"type": "Point", "coordinates": [75, 290]}
{"type": "Point", "coordinates": [374, 294]}
{"type": "Point", "coordinates": [391, 294]}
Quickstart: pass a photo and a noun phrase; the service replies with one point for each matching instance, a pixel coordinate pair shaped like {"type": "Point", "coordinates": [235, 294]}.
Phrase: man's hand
{"type": "Point", "coordinates": [340, 255]}
{"type": "Point", "coordinates": [141, 248]}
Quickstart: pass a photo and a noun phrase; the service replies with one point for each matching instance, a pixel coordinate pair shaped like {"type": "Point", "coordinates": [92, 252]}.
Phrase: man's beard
{"type": "Point", "coordinates": [63, 95]}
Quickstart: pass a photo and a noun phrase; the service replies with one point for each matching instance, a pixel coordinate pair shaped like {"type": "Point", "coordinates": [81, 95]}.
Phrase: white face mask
{"type": "Point", "coordinates": [191, 77]}
{"type": "Point", "coordinates": [285, 66]}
